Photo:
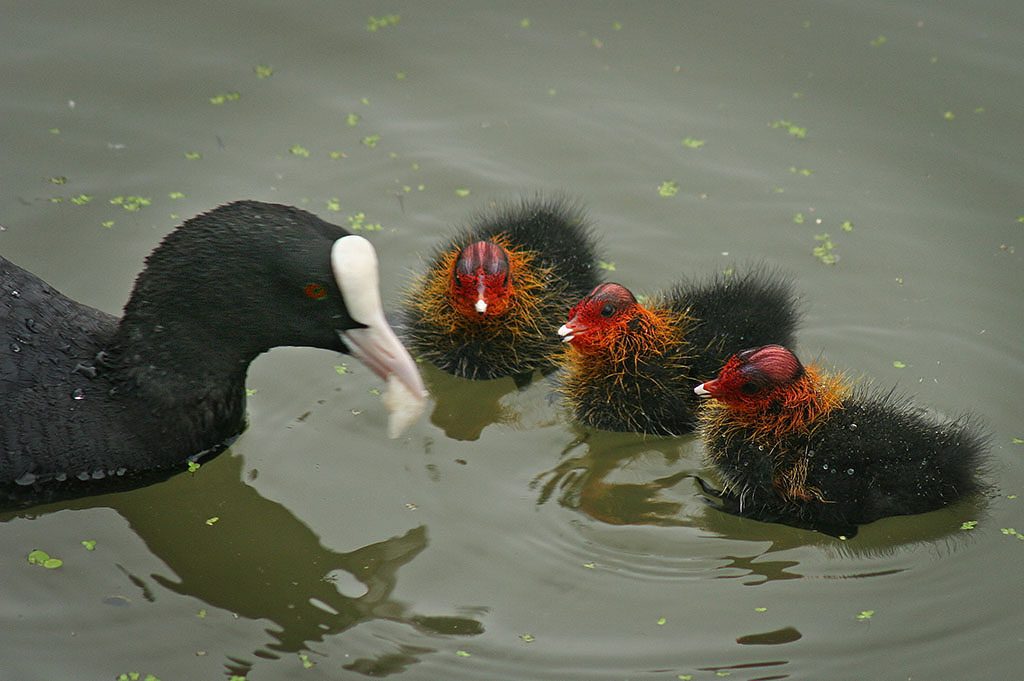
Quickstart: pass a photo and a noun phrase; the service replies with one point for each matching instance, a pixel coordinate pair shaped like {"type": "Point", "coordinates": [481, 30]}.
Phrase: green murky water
{"type": "Point", "coordinates": [492, 543]}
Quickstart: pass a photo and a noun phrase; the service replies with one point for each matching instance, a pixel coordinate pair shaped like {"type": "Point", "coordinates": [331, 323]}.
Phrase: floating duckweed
{"type": "Point", "coordinates": [761, 609]}
{"type": "Point", "coordinates": [692, 143]}
{"type": "Point", "coordinates": [43, 559]}
{"type": "Point", "coordinates": [949, 115]}
{"type": "Point", "coordinates": [462, 653]}
{"type": "Point", "coordinates": [685, 677]}
{"type": "Point", "coordinates": [524, 23]}
{"type": "Point", "coordinates": [799, 218]}
{"type": "Point", "coordinates": [609, 266]}
{"type": "Point", "coordinates": [333, 205]}
{"type": "Point", "coordinates": [374, 24]}
{"type": "Point", "coordinates": [249, 392]}
{"type": "Point", "coordinates": [217, 100]}
{"type": "Point", "coordinates": [979, 109]}
{"type": "Point", "coordinates": [107, 224]}
{"type": "Point", "coordinates": [527, 638]}
{"type": "Point", "coordinates": [1018, 441]}
{"type": "Point", "coordinates": [340, 369]}
{"type": "Point", "coordinates": [847, 225]}
{"type": "Point", "coordinates": [879, 41]}
{"type": "Point", "coordinates": [371, 141]}
{"type": "Point", "coordinates": [263, 71]}
{"type": "Point", "coordinates": [662, 621]}
{"type": "Point", "coordinates": [335, 155]}
{"type": "Point", "coordinates": [81, 199]}
{"type": "Point", "coordinates": [306, 662]}
{"type": "Point", "coordinates": [616, 25]}
{"type": "Point", "coordinates": [352, 120]}
{"type": "Point", "coordinates": [790, 127]}
{"type": "Point", "coordinates": [201, 613]}
{"type": "Point", "coordinates": [668, 188]}
{"type": "Point", "coordinates": [59, 179]}
{"type": "Point", "coordinates": [54, 131]}
{"type": "Point", "coordinates": [299, 150]}
{"type": "Point", "coordinates": [136, 676]}
{"type": "Point", "coordinates": [823, 251]}
{"type": "Point", "coordinates": [132, 204]}
{"type": "Point", "coordinates": [357, 221]}
{"type": "Point", "coordinates": [212, 520]}
{"type": "Point", "coordinates": [1010, 532]}
{"type": "Point", "coordinates": [399, 75]}
{"type": "Point", "coordinates": [365, 101]}
{"type": "Point", "coordinates": [193, 466]}
{"type": "Point", "coordinates": [461, 192]}
{"type": "Point", "coordinates": [193, 155]}
{"type": "Point", "coordinates": [897, 364]}
{"type": "Point", "coordinates": [968, 524]}
{"type": "Point", "coordinates": [865, 614]}
{"type": "Point", "coordinates": [89, 544]}
{"type": "Point", "coordinates": [176, 195]}
{"type": "Point", "coordinates": [590, 566]}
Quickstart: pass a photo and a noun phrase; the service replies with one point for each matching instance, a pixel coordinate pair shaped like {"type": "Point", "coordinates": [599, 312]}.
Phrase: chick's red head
{"type": "Point", "coordinates": [481, 284]}
{"type": "Point", "coordinates": [751, 376]}
{"type": "Point", "coordinates": [603, 314]}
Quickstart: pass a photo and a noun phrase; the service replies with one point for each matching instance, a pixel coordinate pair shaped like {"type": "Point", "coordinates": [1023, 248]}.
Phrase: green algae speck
{"type": "Point", "coordinates": [692, 143]}
{"type": "Point", "coordinates": [374, 24]}
{"type": "Point", "coordinates": [792, 128]}
{"type": "Point", "coordinates": [668, 188]}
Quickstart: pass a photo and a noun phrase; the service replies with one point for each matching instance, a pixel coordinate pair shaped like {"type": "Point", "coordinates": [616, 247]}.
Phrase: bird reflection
{"type": "Point", "coordinates": [261, 562]}
{"type": "Point", "coordinates": [580, 481]}
{"type": "Point", "coordinates": [589, 479]}
{"type": "Point", "coordinates": [464, 407]}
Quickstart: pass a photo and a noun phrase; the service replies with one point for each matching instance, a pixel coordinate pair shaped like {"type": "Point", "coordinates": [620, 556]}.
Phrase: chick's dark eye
{"type": "Point", "coordinates": [607, 310]}
{"type": "Point", "coordinates": [750, 388]}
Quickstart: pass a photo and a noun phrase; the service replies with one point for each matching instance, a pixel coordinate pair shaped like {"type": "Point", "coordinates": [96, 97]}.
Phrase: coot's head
{"type": "Point", "coordinates": [751, 376]}
{"type": "Point", "coordinates": [603, 314]}
{"type": "Point", "coordinates": [250, 276]}
{"type": "Point", "coordinates": [481, 282]}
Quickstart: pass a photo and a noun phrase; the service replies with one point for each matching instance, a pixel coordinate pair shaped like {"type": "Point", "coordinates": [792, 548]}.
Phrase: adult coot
{"type": "Point", "coordinates": [91, 402]}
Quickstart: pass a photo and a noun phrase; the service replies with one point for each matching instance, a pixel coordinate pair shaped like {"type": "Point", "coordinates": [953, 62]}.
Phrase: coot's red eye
{"type": "Point", "coordinates": [315, 291]}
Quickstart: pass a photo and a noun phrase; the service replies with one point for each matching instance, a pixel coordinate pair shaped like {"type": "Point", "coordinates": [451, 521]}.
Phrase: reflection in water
{"type": "Point", "coordinates": [582, 483]}
{"type": "Point", "coordinates": [261, 562]}
{"type": "Point", "coordinates": [585, 482]}
{"type": "Point", "coordinates": [464, 407]}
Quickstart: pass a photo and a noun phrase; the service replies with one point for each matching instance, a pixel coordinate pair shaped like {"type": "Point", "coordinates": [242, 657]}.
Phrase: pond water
{"type": "Point", "coordinates": [498, 540]}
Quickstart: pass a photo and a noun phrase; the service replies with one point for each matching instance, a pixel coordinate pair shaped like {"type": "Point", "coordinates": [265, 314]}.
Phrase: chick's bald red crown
{"type": "Point", "coordinates": [481, 282]}
{"type": "Point", "coordinates": [751, 374]}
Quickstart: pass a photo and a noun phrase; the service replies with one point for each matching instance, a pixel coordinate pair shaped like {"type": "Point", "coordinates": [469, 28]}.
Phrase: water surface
{"type": "Point", "coordinates": [498, 540]}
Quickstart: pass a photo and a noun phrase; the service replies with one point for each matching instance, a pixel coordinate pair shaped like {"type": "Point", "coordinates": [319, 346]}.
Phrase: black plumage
{"type": "Point", "coordinates": [552, 257]}
{"type": "Point", "coordinates": [93, 402]}
{"type": "Point", "coordinates": [646, 385]}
